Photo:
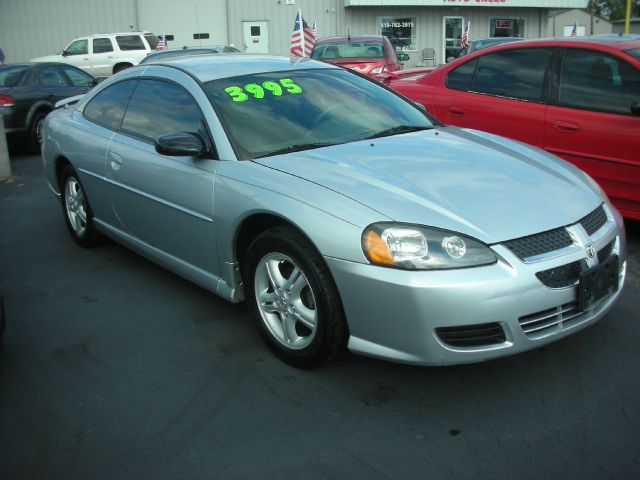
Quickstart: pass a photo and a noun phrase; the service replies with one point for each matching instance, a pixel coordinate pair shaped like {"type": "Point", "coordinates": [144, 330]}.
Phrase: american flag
{"type": "Point", "coordinates": [464, 41]}
{"type": "Point", "coordinates": [162, 45]}
{"type": "Point", "coordinates": [574, 31]}
{"type": "Point", "coordinates": [302, 39]}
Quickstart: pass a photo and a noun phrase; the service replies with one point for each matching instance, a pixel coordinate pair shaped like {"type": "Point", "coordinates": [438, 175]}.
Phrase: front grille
{"type": "Point", "coordinates": [548, 321]}
{"type": "Point", "coordinates": [472, 335]}
{"type": "Point", "coordinates": [605, 252]}
{"type": "Point", "coordinates": [594, 221]}
{"type": "Point", "coordinates": [563, 276]}
{"type": "Point", "coordinates": [540, 243]}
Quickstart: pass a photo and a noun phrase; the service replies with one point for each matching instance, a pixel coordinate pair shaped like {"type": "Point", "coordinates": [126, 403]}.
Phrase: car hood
{"type": "Point", "coordinates": [360, 66]}
{"type": "Point", "coordinates": [475, 183]}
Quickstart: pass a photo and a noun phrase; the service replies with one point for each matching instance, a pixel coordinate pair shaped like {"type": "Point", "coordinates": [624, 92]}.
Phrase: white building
{"type": "Point", "coordinates": [31, 28]}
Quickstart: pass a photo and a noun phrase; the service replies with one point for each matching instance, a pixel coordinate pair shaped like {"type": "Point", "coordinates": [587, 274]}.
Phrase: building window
{"type": "Point", "coordinates": [401, 31]}
{"type": "Point", "coordinates": [200, 36]}
{"type": "Point", "coordinates": [506, 27]}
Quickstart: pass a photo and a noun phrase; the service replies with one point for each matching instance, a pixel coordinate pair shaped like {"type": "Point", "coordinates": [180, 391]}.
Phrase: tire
{"type": "Point", "coordinates": [292, 296]}
{"type": "Point", "coordinates": [120, 67]}
{"type": "Point", "coordinates": [34, 140]}
{"type": "Point", "coordinates": [76, 209]}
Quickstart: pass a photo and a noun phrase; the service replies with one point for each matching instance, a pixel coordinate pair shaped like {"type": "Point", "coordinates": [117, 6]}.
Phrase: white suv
{"type": "Point", "coordinates": [104, 54]}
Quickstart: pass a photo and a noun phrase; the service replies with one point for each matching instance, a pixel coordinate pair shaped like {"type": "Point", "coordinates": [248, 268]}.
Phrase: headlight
{"type": "Point", "coordinates": [414, 247]}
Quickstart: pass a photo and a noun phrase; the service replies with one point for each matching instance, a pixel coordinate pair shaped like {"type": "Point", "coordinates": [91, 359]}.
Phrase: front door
{"type": "Point", "coordinates": [256, 37]}
{"type": "Point", "coordinates": [166, 202]}
{"type": "Point", "coordinates": [452, 31]}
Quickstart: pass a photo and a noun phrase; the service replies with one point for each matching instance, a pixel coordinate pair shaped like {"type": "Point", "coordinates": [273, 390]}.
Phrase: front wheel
{"type": "Point", "coordinates": [76, 209]}
{"type": "Point", "coordinates": [293, 298]}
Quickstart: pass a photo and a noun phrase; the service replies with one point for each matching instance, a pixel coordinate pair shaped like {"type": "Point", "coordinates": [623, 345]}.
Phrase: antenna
{"type": "Point", "coordinates": [348, 36]}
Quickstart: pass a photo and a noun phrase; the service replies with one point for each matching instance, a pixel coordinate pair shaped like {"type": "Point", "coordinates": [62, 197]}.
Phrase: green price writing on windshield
{"type": "Point", "coordinates": [239, 94]}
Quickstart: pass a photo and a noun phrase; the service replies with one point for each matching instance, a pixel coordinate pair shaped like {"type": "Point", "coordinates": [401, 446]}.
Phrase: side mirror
{"type": "Point", "coordinates": [420, 106]}
{"type": "Point", "coordinates": [635, 108]}
{"type": "Point", "coordinates": [64, 53]}
{"type": "Point", "coordinates": [180, 145]}
{"type": "Point", "coordinates": [403, 57]}
{"type": "Point", "coordinates": [450, 59]}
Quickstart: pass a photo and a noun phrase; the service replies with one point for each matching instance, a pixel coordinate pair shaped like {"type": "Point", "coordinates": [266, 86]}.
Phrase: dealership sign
{"type": "Point", "coordinates": [469, 3]}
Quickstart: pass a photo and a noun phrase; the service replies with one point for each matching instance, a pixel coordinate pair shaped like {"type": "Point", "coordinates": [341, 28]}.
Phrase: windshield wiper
{"type": "Point", "coordinates": [296, 148]}
{"type": "Point", "coordinates": [397, 130]}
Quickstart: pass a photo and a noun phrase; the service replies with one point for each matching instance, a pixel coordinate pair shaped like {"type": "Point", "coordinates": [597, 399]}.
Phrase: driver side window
{"type": "Point", "coordinates": [79, 47]}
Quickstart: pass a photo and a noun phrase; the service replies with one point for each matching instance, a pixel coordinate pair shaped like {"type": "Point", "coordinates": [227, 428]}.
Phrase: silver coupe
{"type": "Point", "coordinates": [342, 213]}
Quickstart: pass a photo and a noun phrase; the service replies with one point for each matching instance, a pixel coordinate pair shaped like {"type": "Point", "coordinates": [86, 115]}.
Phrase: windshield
{"type": "Point", "coordinates": [634, 52]}
{"type": "Point", "coordinates": [10, 76]}
{"type": "Point", "coordinates": [278, 111]}
{"type": "Point", "coordinates": [364, 50]}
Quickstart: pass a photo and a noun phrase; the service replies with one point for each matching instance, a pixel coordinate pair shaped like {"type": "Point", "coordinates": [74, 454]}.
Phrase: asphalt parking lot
{"type": "Point", "coordinates": [112, 367]}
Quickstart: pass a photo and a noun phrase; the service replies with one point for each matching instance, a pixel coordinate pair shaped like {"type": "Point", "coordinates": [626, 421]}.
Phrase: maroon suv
{"type": "Point", "coordinates": [367, 54]}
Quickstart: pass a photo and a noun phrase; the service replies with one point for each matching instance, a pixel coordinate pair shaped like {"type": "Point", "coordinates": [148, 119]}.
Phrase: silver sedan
{"type": "Point", "coordinates": [342, 213]}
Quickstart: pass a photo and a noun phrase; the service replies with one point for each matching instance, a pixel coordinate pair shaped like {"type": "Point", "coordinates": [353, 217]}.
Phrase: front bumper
{"type": "Point", "coordinates": [393, 314]}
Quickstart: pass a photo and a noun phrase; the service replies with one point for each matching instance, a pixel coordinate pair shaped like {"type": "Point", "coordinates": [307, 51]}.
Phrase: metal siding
{"type": "Point", "coordinates": [34, 28]}
{"type": "Point", "coordinates": [184, 18]}
{"type": "Point", "coordinates": [328, 13]}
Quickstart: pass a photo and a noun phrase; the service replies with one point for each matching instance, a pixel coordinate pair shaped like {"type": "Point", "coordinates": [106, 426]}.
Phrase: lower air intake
{"type": "Point", "coordinates": [479, 335]}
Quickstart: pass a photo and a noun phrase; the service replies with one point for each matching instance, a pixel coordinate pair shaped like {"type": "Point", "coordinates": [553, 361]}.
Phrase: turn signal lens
{"type": "Point", "coordinates": [376, 250]}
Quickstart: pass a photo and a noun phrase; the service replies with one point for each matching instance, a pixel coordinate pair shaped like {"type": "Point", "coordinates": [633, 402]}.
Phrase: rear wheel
{"type": "Point", "coordinates": [293, 298]}
{"type": "Point", "coordinates": [34, 141]}
{"type": "Point", "coordinates": [76, 209]}
{"type": "Point", "coordinates": [121, 66]}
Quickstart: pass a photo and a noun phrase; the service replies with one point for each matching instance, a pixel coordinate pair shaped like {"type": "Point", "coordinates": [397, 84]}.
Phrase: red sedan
{"type": "Point", "coordinates": [578, 98]}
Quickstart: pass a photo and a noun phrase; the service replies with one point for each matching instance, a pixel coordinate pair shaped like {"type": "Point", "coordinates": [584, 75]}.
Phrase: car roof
{"type": "Point", "coordinates": [352, 38]}
{"type": "Point", "coordinates": [621, 42]}
{"type": "Point", "coordinates": [119, 33]}
{"type": "Point", "coordinates": [209, 67]}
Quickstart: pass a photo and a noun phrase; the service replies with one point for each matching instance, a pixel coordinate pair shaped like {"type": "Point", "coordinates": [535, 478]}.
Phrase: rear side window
{"type": "Point", "coordinates": [130, 42]}
{"type": "Point", "coordinates": [597, 81]}
{"type": "Point", "coordinates": [517, 73]}
{"type": "Point", "coordinates": [10, 76]}
{"type": "Point", "coordinates": [107, 107]}
{"type": "Point", "coordinates": [158, 108]}
{"type": "Point", "coordinates": [153, 41]}
{"type": "Point", "coordinates": [461, 77]}
{"type": "Point", "coordinates": [102, 45]}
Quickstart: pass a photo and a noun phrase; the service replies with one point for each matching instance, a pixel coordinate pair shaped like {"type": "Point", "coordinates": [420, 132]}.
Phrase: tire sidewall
{"type": "Point", "coordinates": [33, 144]}
{"type": "Point", "coordinates": [89, 236]}
{"type": "Point", "coordinates": [277, 241]}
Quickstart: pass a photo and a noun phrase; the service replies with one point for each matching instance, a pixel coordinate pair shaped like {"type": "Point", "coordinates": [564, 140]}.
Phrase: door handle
{"type": "Point", "coordinates": [455, 110]}
{"type": "Point", "coordinates": [116, 161]}
{"type": "Point", "coordinates": [566, 127]}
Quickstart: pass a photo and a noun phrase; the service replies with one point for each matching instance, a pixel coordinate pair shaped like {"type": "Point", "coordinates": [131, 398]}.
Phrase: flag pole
{"type": "Point", "coordinates": [627, 17]}
{"type": "Point", "coordinates": [301, 31]}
